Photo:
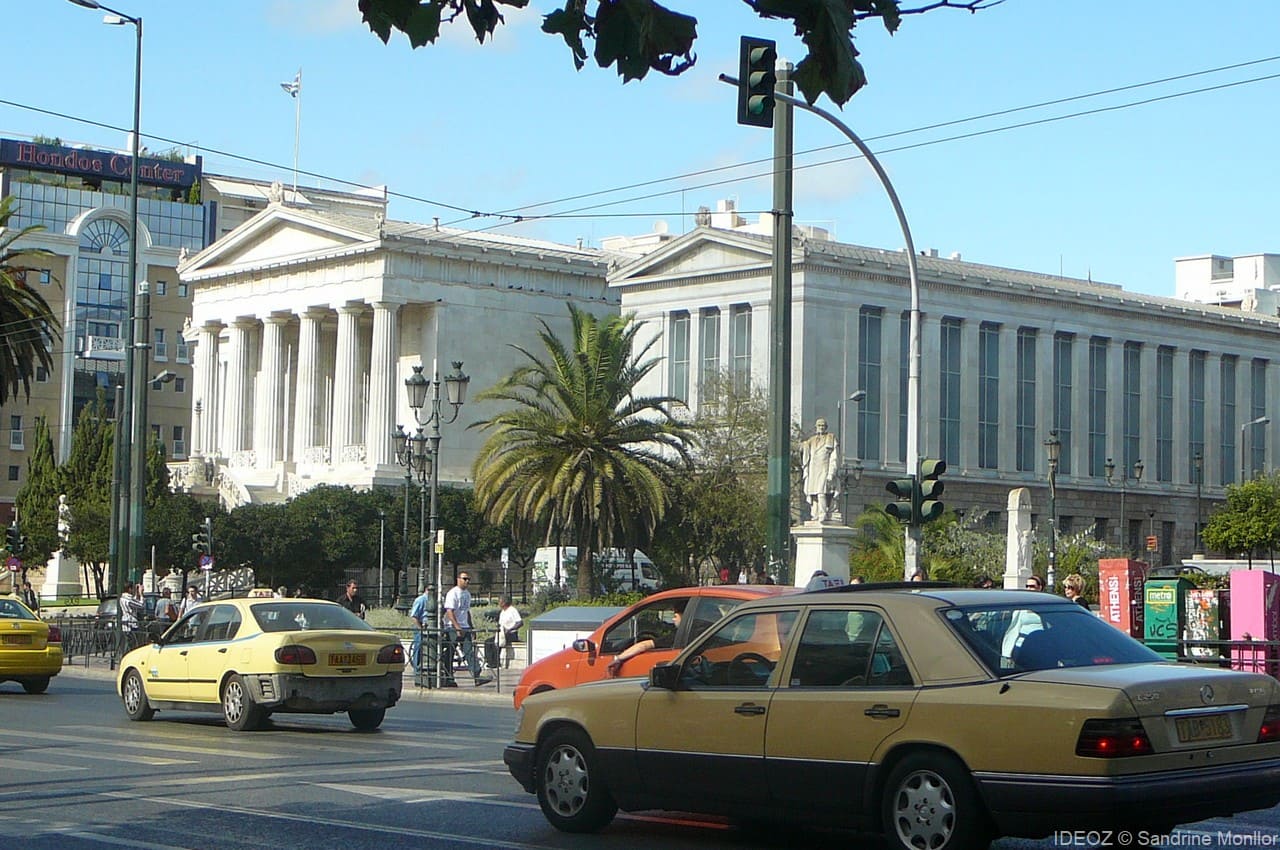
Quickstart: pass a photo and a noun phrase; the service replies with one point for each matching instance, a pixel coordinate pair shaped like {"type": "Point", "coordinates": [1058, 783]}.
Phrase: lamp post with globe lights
{"type": "Point", "coordinates": [1053, 451]}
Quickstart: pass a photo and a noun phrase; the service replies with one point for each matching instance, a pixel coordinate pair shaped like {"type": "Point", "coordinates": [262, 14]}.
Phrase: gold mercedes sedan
{"type": "Point", "coordinates": [249, 658]}
{"type": "Point", "coordinates": [940, 717]}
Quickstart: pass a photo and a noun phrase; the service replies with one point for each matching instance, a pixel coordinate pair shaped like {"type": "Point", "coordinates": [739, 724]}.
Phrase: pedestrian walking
{"type": "Point", "coordinates": [29, 597]}
{"type": "Point", "coordinates": [423, 615]}
{"type": "Point", "coordinates": [509, 621]}
{"type": "Point", "coordinates": [457, 623]}
{"type": "Point", "coordinates": [351, 599]}
{"type": "Point", "coordinates": [193, 599]}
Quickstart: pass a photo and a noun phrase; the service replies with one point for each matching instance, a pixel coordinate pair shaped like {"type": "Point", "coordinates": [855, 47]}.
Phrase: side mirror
{"type": "Point", "coordinates": [665, 675]}
{"type": "Point", "coordinates": [584, 645]}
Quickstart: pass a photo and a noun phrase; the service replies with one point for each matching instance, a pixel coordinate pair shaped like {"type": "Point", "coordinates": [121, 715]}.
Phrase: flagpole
{"type": "Point", "coordinates": [297, 130]}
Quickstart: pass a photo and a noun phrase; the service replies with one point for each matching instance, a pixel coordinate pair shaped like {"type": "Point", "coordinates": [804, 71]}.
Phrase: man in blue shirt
{"type": "Point", "coordinates": [423, 614]}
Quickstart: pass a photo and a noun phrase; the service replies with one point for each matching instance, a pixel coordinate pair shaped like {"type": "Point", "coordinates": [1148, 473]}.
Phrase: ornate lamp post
{"type": "Point", "coordinates": [1110, 467]}
{"type": "Point", "coordinates": [849, 470]}
{"type": "Point", "coordinates": [423, 449]}
{"type": "Point", "coordinates": [1198, 463]}
{"type": "Point", "coordinates": [1053, 451]}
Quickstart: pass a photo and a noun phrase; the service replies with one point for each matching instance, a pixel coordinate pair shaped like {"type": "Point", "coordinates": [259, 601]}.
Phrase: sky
{"type": "Point", "coordinates": [1110, 186]}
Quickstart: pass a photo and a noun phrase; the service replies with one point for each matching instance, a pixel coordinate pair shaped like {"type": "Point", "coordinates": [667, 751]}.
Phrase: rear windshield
{"type": "Point", "coordinates": [11, 609]}
{"type": "Point", "coordinates": [305, 616]}
{"type": "Point", "coordinates": [1019, 639]}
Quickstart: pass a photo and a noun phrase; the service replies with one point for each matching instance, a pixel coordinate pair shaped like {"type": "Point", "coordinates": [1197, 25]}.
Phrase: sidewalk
{"type": "Point", "coordinates": [497, 692]}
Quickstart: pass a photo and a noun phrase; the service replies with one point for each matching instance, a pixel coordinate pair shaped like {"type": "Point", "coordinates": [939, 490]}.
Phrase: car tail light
{"type": "Point", "coordinates": [1111, 739]}
{"type": "Point", "coordinates": [1270, 730]}
{"type": "Point", "coordinates": [55, 636]}
{"type": "Point", "coordinates": [295, 655]}
{"type": "Point", "coordinates": [392, 653]}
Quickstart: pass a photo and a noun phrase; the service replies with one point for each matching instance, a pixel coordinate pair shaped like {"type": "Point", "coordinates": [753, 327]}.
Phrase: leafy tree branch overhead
{"type": "Point", "coordinates": [638, 36]}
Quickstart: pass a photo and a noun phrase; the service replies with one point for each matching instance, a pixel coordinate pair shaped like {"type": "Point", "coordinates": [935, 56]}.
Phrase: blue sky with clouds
{"type": "Point", "coordinates": [1116, 192]}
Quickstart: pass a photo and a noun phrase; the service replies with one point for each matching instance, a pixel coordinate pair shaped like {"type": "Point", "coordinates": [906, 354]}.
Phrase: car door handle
{"type": "Point", "coordinates": [184, 652]}
{"type": "Point", "coordinates": [749, 708]}
{"type": "Point", "coordinates": [882, 711]}
{"type": "Point", "coordinates": [224, 649]}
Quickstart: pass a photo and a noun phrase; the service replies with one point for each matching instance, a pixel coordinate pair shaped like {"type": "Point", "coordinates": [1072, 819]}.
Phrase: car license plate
{"type": "Point", "coordinates": [346, 659]}
{"type": "Point", "coordinates": [17, 640]}
{"type": "Point", "coordinates": [1204, 727]}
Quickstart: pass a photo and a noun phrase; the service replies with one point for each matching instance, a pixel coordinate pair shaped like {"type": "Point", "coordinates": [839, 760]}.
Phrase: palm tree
{"type": "Point", "coordinates": [576, 448]}
{"type": "Point", "coordinates": [28, 327]}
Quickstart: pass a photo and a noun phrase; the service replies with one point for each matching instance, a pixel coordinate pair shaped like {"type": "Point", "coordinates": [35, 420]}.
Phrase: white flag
{"type": "Point", "coordinates": [294, 86]}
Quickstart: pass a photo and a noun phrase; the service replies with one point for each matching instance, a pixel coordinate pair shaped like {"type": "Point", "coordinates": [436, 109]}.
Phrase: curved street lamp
{"type": "Point", "coordinates": [1110, 467]}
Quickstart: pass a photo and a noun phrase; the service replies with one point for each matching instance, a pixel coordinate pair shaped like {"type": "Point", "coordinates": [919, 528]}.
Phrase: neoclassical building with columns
{"type": "Point", "coordinates": [305, 325]}
{"type": "Point", "coordinates": [1185, 390]}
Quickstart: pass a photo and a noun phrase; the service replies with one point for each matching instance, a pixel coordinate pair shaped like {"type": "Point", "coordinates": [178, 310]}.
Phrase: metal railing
{"type": "Point", "coordinates": [1254, 656]}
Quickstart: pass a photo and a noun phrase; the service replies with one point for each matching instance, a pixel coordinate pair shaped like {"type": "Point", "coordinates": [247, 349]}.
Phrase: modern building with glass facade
{"type": "Point", "coordinates": [81, 199]}
{"type": "Point", "coordinates": [1168, 395]}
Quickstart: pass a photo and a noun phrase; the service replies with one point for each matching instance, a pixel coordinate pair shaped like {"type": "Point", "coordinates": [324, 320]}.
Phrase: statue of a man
{"type": "Point", "coordinates": [820, 460]}
{"type": "Point", "coordinates": [64, 521]}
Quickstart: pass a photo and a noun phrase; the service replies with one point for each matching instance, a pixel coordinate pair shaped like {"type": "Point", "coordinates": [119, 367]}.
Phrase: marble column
{"type": "Point", "coordinates": [1148, 413]}
{"type": "Point", "coordinates": [1007, 406]}
{"type": "Point", "coordinates": [304, 403]}
{"type": "Point", "coordinates": [383, 361]}
{"type": "Point", "coordinates": [1081, 410]}
{"type": "Point", "coordinates": [344, 380]}
{"type": "Point", "coordinates": [270, 393]}
{"type": "Point", "coordinates": [1183, 473]}
{"type": "Point", "coordinates": [234, 412]}
{"type": "Point", "coordinates": [970, 390]}
{"type": "Point", "coordinates": [206, 385]}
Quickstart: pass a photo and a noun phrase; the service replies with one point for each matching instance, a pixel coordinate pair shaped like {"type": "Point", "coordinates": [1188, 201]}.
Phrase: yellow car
{"type": "Point", "coordinates": [30, 648]}
{"type": "Point", "coordinates": [249, 658]}
{"type": "Point", "coordinates": [940, 717]}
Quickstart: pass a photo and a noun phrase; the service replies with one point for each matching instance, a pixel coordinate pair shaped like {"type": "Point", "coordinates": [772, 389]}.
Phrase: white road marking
{"type": "Point", "coordinates": [134, 744]}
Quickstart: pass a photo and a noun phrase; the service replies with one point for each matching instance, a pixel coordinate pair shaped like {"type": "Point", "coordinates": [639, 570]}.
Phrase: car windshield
{"type": "Point", "coordinates": [305, 616]}
{"type": "Point", "coordinates": [1019, 639]}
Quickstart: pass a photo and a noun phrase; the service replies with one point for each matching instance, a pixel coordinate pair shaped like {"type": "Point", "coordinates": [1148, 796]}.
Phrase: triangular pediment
{"type": "Point", "coordinates": [705, 250]}
{"type": "Point", "coordinates": [275, 235]}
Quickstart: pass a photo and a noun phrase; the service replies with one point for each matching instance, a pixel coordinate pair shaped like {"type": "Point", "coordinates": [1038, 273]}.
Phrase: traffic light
{"type": "Point", "coordinates": [904, 509]}
{"type": "Point", "coordinates": [756, 81]}
{"type": "Point", "coordinates": [929, 505]}
{"type": "Point", "coordinates": [202, 541]}
{"type": "Point", "coordinates": [15, 541]}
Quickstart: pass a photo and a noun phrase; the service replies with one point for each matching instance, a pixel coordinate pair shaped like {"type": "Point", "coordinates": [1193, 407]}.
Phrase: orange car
{"type": "Point", "coordinates": [652, 618]}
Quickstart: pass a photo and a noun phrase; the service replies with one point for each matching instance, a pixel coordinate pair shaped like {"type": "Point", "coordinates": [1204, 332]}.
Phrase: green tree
{"type": "Point", "coordinates": [171, 521]}
{"type": "Point", "coordinates": [717, 513]}
{"type": "Point", "coordinates": [340, 530]}
{"type": "Point", "coordinates": [1250, 519]}
{"type": "Point", "coordinates": [30, 327]}
{"type": "Point", "coordinates": [86, 479]}
{"type": "Point", "coordinates": [575, 447]}
{"type": "Point", "coordinates": [37, 500]}
{"type": "Point", "coordinates": [641, 35]}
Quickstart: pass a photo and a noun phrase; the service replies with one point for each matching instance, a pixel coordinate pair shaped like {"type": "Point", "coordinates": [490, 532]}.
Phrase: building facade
{"type": "Point", "coordinates": [306, 323]}
{"type": "Point", "coordinates": [1165, 389]}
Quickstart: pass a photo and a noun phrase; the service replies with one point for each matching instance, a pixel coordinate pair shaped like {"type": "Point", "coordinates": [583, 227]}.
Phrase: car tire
{"type": "Point", "coordinates": [239, 710]}
{"type": "Point", "coordinates": [38, 685]}
{"type": "Point", "coordinates": [134, 695]}
{"type": "Point", "coordinates": [570, 788]}
{"type": "Point", "coordinates": [366, 719]}
{"type": "Point", "coordinates": [930, 801]}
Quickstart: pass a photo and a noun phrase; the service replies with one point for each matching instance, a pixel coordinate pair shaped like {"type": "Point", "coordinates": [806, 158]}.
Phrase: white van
{"type": "Point", "coordinates": [619, 574]}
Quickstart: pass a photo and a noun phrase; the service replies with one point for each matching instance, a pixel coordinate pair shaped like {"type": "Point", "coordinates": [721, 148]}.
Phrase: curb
{"type": "Point", "coordinates": [489, 693]}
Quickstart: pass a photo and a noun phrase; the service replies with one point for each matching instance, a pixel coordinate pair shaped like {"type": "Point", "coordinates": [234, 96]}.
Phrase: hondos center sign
{"type": "Point", "coordinates": [104, 165]}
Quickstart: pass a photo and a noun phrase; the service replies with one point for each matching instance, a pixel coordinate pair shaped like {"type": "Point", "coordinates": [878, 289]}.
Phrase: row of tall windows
{"type": "Point", "coordinates": [680, 354]}
{"type": "Point", "coordinates": [1028, 421]}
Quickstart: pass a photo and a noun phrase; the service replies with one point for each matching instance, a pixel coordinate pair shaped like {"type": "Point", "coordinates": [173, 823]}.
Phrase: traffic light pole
{"type": "Point", "coordinates": [912, 532]}
{"type": "Point", "coordinates": [779, 437]}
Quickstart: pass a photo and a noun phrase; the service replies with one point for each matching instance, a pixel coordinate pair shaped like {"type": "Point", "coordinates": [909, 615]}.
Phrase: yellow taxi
{"type": "Point", "coordinates": [940, 717]}
{"type": "Point", "coordinates": [30, 648]}
{"type": "Point", "coordinates": [250, 658]}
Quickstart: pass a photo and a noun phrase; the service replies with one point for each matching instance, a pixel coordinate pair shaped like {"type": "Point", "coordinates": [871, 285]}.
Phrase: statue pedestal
{"type": "Point", "coordinates": [61, 577]}
{"type": "Point", "coordinates": [822, 546]}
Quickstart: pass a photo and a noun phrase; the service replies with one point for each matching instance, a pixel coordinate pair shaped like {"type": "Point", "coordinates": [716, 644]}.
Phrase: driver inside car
{"type": "Point", "coordinates": [662, 641]}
